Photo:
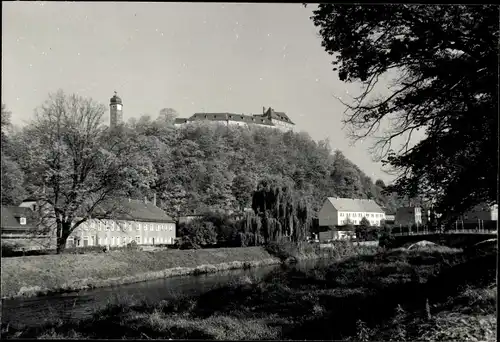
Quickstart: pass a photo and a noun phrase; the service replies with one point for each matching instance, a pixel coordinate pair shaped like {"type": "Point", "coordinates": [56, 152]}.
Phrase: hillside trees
{"type": "Point", "coordinates": [12, 177]}
{"type": "Point", "coordinates": [446, 62]}
{"type": "Point", "coordinates": [75, 165]}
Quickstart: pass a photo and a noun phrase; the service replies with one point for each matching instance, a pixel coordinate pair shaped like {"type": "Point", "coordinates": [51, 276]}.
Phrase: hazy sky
{"type": "Point", "coordinates": [192, 57]}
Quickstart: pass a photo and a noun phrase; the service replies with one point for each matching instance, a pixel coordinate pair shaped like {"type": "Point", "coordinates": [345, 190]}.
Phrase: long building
{"type": "Point", "coordinates": [115, 223]}
{"type": "Point", "coordinates": [269, 118]}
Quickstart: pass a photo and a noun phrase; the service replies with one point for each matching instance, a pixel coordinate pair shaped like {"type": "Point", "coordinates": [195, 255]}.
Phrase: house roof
{"type": "Point", "coordinates": [277, 115]}
{"type": "Point", "coordinates": [355, 205]}
{"type": "Point", "coordinates": [231, 117]}
{"type": "Point", "coordinates": [11, 214]}
{"type": "Point", "coordinates": [129, 209]}
{"type": "Point", "coordinates": [261, 119]}
{"type": "Point", "coordinates": [180, 120]}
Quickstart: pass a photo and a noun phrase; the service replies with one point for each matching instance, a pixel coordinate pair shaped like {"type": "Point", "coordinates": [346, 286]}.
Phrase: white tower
{"type": "Point", "coordinates": [115, 111]}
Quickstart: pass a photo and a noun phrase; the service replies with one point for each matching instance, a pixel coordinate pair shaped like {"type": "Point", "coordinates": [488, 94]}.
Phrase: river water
{"type": "Point", "coordinates": [76, 305]}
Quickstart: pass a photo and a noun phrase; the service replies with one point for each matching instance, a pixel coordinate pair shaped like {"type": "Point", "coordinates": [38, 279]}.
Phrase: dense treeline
{"type": "Point", "coordinates": [201, 167]}
{"type": "Point", "coordinates": [207, 166]}
{"type": "Point", "coordinates": [76, 163]}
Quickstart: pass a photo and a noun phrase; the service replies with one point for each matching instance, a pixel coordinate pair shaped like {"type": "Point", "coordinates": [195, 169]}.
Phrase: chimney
{"type": "Point", "coordinates": [263, 110]}
{"type": "Point", "coordinates": [154, 199]}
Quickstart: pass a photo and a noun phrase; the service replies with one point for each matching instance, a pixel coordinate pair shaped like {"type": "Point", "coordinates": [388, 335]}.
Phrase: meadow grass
{"type": "Point", "coordinates": [34, 275]}
{"type": "Point", "coordinates": [389, 295]}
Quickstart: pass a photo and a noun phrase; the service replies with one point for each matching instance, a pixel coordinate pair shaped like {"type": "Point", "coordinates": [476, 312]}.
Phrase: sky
{"type": "Point", "coordinates": [193, 57]}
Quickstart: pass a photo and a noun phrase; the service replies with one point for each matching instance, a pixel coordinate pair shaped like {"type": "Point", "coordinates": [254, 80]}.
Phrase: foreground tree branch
{"type": "Point", "coordinates": [447, 61]}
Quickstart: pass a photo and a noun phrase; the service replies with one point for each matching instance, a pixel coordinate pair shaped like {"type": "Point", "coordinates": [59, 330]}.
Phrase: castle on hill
{"type": "Point", "coordinates": [269, 118]}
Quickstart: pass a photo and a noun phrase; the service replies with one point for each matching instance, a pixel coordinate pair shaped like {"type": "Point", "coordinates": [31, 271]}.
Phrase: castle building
{"type": "Point", "coordinates": [115, 111]}
{"type": "Point", "coordinates": [269, 118]}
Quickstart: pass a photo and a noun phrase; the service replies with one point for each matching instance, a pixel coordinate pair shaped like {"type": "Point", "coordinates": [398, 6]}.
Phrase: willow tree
{"type": "Point", "coordinates": [445, 62]}
{"type": "Point", "coordinates": [281, 211]}
{"type": "Point", "coordinates": [76, 166]}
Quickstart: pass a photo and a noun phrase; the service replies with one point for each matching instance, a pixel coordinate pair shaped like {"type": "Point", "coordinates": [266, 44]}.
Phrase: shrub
{"type": "Point", "coordinates": [386, 238]}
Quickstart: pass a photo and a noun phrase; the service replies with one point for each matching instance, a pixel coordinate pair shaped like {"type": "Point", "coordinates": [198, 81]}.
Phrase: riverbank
{"type": "Point", "coordinates": [433, 293]}
{"type": "Point", "coordinates": [46, 274]}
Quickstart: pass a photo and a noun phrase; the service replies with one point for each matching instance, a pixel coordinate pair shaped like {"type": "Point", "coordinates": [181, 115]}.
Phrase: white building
{"type": "Point", "coordinates": [341, 211]}
{"type": "Point", "coordinates": [269, 119]}
{"type": "Point", "coordinates": [121, 221]}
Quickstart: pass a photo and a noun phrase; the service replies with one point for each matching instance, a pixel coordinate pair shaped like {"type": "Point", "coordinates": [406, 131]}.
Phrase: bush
{"type": "Point", "coordinates": [386, 239]}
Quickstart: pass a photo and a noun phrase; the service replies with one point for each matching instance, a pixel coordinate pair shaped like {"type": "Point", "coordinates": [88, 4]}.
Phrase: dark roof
{"type": "Point", "coordinates": [125, 209]}
{"type": "Point", "coordinates": [277, 115]}
{"type": "Point", "coordinates": [180, 120]}
{"type": "Point", "coordinates": [11, 214]}
{"type": "Point", "coordinates": [115, 99]}
{"type": "Point", "coordinates": [231, 117]}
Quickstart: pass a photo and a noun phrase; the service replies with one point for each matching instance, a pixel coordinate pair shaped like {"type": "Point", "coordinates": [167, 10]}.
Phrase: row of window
{"type": "Point", "coordinates": [117, 241]}
{"type": "Point", "coordinates": [361, 215]}
{"type": "Point", "coordinates": [355, 222]}
{"type": "Point", "coordinates": [112, 225]}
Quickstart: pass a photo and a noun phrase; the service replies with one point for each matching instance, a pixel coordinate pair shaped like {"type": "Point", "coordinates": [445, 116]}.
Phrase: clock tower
{"type": "Point", "coordinates": [115, 111]}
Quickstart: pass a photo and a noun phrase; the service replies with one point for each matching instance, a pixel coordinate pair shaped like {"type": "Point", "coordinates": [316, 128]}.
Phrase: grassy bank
{"type": "Point", "coordinates": [45, 274]}
{"type": "Point", "coordinates": [424, 294]}
{"type": "Point", "coordinates": [37, 275]}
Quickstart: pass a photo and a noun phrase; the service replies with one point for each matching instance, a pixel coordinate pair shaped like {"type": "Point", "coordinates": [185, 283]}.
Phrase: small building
{"type": "Point", "coordinates": [342, 211]}
{"type": "Point", "coordinates": [409, 216]}
{"type": "Point", "coordinates": [390, 218]}
{"type": "Point", "coordinates": [336, 234]}
{"type": "Point", "coordinates": [21, 230]}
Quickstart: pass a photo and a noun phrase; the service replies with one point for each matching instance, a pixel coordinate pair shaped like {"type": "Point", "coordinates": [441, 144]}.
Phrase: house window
{"type": "Point", "coordinates": [92, 240]}
{"type": "Point", "coordinates": [171, 228]}
{"type": "Point", "coordinates": [99, 226]}
{"type": "Point", "coordinates": [151, 227]}
{"type": "Point", "coordinates": [138, 226]}
{"type": "Point", "coordinates": [145, 226]}
{"type": "Point", "coordinates": [158, 227]}
{"type": "Point", "coordinates": [112, 228]}
{"type": "Point", "coordinates": [138, 239]}
{"type": "Point", "coordinates": [22, 221]}
{"type": "Point", "coordinates": [112, 240]}
{"type": "Point", "coordinates": [124, 240]}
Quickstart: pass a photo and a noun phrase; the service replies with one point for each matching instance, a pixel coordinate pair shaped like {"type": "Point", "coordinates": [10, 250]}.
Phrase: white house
{"type": "Point", "coordinates": [340, 211]}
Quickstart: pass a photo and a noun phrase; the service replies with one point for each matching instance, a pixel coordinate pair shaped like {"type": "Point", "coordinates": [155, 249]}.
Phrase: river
{"type": "Point", "coordinates": [77, 305]}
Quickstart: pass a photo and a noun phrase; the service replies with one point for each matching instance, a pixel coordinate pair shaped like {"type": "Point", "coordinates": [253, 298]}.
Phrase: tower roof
{"type": "Point", "coordinates": [115, 99]}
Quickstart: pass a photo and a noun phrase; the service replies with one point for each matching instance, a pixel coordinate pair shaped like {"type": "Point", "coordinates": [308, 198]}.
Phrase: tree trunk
{"type": "Point", "coordinates": [62, 236]}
